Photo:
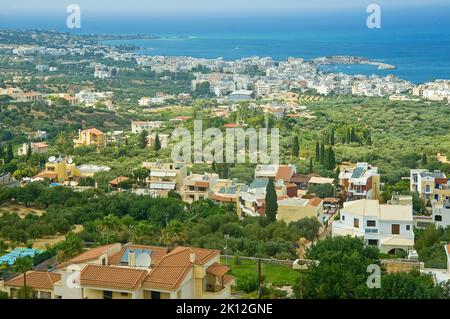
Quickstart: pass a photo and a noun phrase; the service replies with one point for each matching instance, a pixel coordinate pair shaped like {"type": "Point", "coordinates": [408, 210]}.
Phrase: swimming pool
{"type": "Point", "coordinates": [11, 257]}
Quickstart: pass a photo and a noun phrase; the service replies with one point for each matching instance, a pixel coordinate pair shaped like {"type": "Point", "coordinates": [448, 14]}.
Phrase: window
{"type": "Point", "coordinates": [408, 227]}
{"type": "Point", "coordinates": [104, 261]}
{"type": "Point", "coordinates": [438, 218]}
{"type": "Point", "coordinates": [156, 295]}
{"type": "Point", "coordinates": [427, 188]}
{"type": "Point", "coordinates": [46, 295]}
{"type": "Point", "coordinates": [107, 294]}
{"type": "Point", "coordinates": [356, 222]}
{"type": "Point", "coordinates": [124, 294]}
{"type": "Point", "coordinates": [371, 223]}
{"type": "Point", "coordinates": [395, 229]}
{"type": "Point", "coordinates": [372, 242]}
{"type": "Point", "coordinates": [343, 217]}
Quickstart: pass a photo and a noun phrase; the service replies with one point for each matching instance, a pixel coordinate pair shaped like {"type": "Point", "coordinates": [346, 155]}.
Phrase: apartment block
{"type": "Point", "coordinates": [197, 186]}
{"type": "Point", "coordinates": [90, 137]}
{"type": "Point", "coordinates": [361, 182]}
{"type": "Point", "coordinates": [165, 177]}
{"type": "Point", "coordinates": [433, 187]}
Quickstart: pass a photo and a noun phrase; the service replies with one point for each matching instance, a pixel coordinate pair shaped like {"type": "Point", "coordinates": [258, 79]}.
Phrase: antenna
{"type": "Point", "coordinates": [143, 260]}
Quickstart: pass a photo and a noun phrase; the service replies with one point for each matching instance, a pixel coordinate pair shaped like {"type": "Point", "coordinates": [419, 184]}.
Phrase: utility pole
{"type": "Point", "coordinates": [226, 248]}
{"type": "Point", "coordinates": [259, 280]}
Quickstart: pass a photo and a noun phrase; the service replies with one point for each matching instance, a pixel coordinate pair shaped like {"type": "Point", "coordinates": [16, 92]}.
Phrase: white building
{"type": "Point", "coordinates": [137, 127]}
{"type": "Point", "coordinates": [389, 227]}
{"type": "Point", "coordinates": [441, 214]}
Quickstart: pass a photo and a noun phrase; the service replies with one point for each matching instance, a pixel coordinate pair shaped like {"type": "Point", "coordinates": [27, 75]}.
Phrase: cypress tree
{"type": "Point", "coordinates": [295, 147]}
{"type": "Point", "coordinates": [157, 145]}
{"type": "Point", "coordinates": [271, 201]}
{"type": "Point", "coordinates": [337, 173]}
{"type": "Point", "coordinates": [348, 137]}
{"type": "Point", "coordinates": [353, 135]}
{"type": "Point", "coordinates": [332, 137]}
{"type": "Point", "coordinates": [322, 154]}
{"type": "Point", "coordinates": [9, 156]}
{"type": "Point", "coordinates": [29, 150]}
{"type": "Point", "coordinates": [143, 140]}
{"type": "Point", "coordinates": [1, 151]}
{"type": "Point", "coordinates": [311, 167]}
{"type": "Point", "coordinates": [369, 139]}
{"type": "Point", "coordinates": [424, 160]}
{"type": "Point", "coordinates": [317, 152]}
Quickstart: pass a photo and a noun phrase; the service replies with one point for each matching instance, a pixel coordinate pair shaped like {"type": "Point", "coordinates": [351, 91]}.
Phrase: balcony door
{"type": "Point", "coordinates": [395, 229]}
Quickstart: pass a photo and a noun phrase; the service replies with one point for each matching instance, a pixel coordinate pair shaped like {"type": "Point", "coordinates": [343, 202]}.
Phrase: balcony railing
{"type": "Point", "coordinates": [371, 230]}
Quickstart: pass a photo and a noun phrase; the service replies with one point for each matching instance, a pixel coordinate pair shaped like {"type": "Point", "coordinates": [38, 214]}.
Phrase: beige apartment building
{"type": "Point", "coordinates": [165, 177]}
{"type": "Point", "coordinates": [198, 187]}
{"type": "Point", "coordinates": [90, 137]}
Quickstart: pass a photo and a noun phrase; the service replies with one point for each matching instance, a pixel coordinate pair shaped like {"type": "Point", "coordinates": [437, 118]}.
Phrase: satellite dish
{"type": "Point", "coordinates": [52, 159]}
{"type": "Point", "coordinates": [143, 260]}
{"type": "Point", "coordinates": [69, 160]}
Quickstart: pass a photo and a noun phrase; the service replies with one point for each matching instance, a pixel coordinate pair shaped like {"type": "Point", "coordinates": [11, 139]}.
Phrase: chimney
{"type": "Point", "coordinates": [131, 258]}
{"type": "Point", "coordinates": [192, 257]}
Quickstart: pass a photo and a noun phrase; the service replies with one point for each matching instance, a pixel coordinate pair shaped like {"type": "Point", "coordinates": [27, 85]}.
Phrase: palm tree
{"type": "Point", "coordinates": [70, 247]}
{"type": "Point", "coordinates": [3, 246]}
{"type": "Point", "coordinates": [22, 265]}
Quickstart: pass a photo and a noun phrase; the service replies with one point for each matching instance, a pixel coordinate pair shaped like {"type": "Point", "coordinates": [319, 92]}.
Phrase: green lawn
{"type": "Point", "coordinates": [277, 275]}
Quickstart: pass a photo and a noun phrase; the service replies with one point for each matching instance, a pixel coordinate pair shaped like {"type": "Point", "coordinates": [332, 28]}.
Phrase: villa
{"type": "Point", "coordinates": [130, 271]}
{"type": "Point", "coordinates": [389, 227]}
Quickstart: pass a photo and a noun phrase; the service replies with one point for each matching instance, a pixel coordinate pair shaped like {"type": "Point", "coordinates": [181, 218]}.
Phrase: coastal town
{"type": "Point", "coordinates": [93, 205]}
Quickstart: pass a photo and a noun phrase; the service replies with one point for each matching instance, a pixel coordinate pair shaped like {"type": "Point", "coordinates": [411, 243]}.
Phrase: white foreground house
{"type": "Point", "coordinates": [389, 227]}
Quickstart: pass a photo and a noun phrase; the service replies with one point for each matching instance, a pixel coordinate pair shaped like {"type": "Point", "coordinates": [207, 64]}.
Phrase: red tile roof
{"type": "Point", "coordinates": [284, 172]}
{"type": "Point", "coordinates": [315, 201]}
{"type": "Point", "coordinates": [36, 280]}
{"type": "Point", "coordinates": [112, 277]}
{"type": "Point", "coordinates": [118, 180]}
{"type": "Point", "coordinates": [95, 131]}
{"type": "Point", "coordinates": [170, 272]}
{"type": "Point", "coordinates": [156, 256]}
{"type": "Point", "coordinates": [217, 269]}
{"type": "Point", "coordinates": [89, 255]}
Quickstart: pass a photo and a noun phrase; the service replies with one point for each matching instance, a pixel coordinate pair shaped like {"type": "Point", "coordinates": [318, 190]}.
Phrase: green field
{"type": "Point", "coordinates": [275, 274]}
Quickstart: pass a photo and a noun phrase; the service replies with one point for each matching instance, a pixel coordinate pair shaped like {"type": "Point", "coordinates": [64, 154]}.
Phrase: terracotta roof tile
{"type": "Point", "coordinates": [118, 180]}
{"type": "Point", "coordinates": [173, 267]}
{"type": "Point", "coordinates": [112, 277]}
{"type": "Point", "coordinates": [36, 280]}
{"type": "Point", "coordinates": [89, 255]}
{"type": "Point", "coordinates": [315, 201]}
{"type": "Point", "coordinates": [170, 271]}
{"type": "Point", "coordinates": [284, 172]}
{"type": "Point", "coordinates": [217, 269]}
{"type": "Point", "coordinates": [95, 131]}
{"type": "Point", "coordinates": [156, 256]}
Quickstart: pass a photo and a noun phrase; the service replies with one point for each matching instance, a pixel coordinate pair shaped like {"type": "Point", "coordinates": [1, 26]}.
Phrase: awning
{"type": "Point", "coordinates": [217, 269]}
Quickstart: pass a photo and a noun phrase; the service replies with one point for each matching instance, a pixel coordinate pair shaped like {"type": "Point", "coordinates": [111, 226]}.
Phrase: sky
{"type": "Point", "coordinates": [140, 16]}
{"type": "Point", "coordinates": [10, 7]}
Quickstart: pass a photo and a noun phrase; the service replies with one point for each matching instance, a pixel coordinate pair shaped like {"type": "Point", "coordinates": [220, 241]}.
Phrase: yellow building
{"type": "Point", "coordinates": [59, 170]}
{"type": "Point", "coordinates": [294, 209]}
{"type": "Point", "coordinates": [432, 186]}
{"type": "Point", "coordinates": [90, 137]}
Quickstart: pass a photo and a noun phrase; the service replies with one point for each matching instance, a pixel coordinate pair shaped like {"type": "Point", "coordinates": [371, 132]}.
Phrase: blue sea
{"type": "Point", "coordinates": [417, 42]}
